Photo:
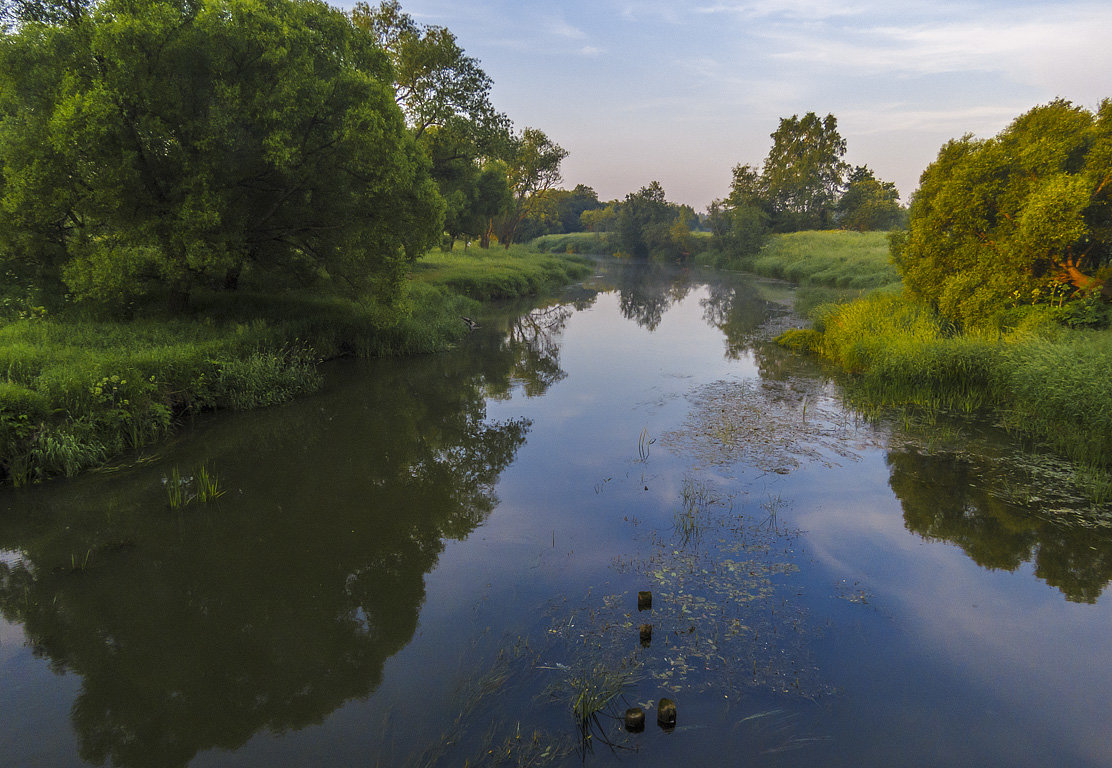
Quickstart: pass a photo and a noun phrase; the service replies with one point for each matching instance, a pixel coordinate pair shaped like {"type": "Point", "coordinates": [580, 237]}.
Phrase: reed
{"type": "Point", "coordinates": [177, 489]}
{"type": "Point", "coordinates": [208, 485]}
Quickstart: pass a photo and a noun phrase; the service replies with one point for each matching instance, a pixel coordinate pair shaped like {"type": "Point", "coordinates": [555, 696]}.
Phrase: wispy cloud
{"type": "Point", "coordinates": [560, 28]}
{"type": "Point", "coordinates": [1066, 47]}
{"type": "Point", "coordinates": [904, 117]}
{"type": "Point", "coordinates": [808, 10]}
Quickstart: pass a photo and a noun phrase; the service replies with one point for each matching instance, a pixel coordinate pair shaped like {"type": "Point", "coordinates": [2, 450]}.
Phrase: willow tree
{"type": "Point", "coordinates": [533, 169]}
{"type": "Point", "coordinates": [1023, 217]}
{"type": "Point", "coordinates": [160, 145]}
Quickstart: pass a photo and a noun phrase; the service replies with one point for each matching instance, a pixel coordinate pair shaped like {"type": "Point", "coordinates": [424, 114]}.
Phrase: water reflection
{"type": "Point", "coordinates": [647, 289]}
{"type": "Point", "coordinates": [971, 501]}
{"type": "Point", "coordinates": [271, 608]}
{"type": "Point", "coordinates": [738, 310]}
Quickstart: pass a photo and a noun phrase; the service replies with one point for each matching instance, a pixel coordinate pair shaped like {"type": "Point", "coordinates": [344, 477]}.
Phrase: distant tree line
{"type": "Point", "coordinates": [153, 148]}
{"type": "Point", "coordinates": [802, 184]}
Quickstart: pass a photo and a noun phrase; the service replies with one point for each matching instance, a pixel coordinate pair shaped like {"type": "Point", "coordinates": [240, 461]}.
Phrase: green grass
{"type": "Point", "coordinates": [498, 273]}
{"type": "Point", "coordinates": [75, 392]}
{"type": "Point", "coordinates": [1045, 381]}
{"type": "Point", "coordinates": [594, 243]}
{"type": "Point", "coordinates": [850, 262]}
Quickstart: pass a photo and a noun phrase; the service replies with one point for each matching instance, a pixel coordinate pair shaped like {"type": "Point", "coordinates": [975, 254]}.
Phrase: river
{"type": "Point", "coordinates": [437, 560]}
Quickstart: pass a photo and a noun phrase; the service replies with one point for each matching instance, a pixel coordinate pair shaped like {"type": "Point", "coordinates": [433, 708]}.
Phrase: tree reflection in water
{"type": "Point", "coordinates": [270, 609]}
{"type": "Point", "coordinates": [983, 507]}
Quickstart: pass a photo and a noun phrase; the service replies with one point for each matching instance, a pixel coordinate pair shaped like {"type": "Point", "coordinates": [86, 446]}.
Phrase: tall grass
{"type": "Point", "coordinates": [74, 391]}
{"type": "Point", "coordinates": [498, 273]}
{"type": "Point", "coordinates": [1048, 382]}
{"type": "Point", "coordinates": [594, 243]}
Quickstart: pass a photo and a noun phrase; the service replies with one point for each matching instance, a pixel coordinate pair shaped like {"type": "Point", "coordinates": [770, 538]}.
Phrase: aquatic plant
{"type": "Point", "coordinates": [208, 486]}
{"type": "Point", "coordinates": [177, 488]}
{"type": "Point", "coordinates": [593, 690]}
{"type": "Point", "coordinates": [643, 443]}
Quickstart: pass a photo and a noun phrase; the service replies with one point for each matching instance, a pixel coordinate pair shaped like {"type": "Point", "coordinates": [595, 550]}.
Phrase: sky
{"type": "Point", "coordinates": [681, 91]}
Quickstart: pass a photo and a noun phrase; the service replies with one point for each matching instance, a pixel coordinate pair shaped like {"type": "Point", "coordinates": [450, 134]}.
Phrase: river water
{"type": "Point", "coordinates": [437, 561]}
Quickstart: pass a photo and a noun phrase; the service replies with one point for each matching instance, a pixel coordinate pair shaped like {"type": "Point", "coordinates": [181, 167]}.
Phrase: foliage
{"type": "Point", "coordinates": [1046, 381]}
{"type": "Point", "coordinates": [483, 275]}
{"type": "Point", "coordinates": [801, 340]}
{"type": "Point", "coordinates": [739, 231]}
{"type": "Point", "coordinates": [646, 224]}
{"type": "Point", "coordinates": [1022, 218]}
{"type": "Point", "coordinates": [436, 84]}
{"type": "Point", "coordinates": [562, 214]}
{"type": "Point", "coordinates": [75, 393]}
{"type": "Point", "coordinates": [799, 187]}
{"type": "Point", "coordinates": [171, 146]}
{"type": "Point", "coordinates": [596, 243]}
{"type": "Point", "coordinates": [868, 203]}
{"type": "Point", "coordinates": [803, 172]}
{"type": "Point", "coordinates": [533, 169]}
{"type": "Point", "coordinates": [445, 96]}
{"type": "Point", "coordinates": [832, 258]}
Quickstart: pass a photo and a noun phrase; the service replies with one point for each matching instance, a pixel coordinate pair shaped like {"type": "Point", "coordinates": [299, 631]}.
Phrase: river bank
{"type": "Point", "coordinates": [1039, 371]}
{"type": "Point", "coordinates": [77, 391]}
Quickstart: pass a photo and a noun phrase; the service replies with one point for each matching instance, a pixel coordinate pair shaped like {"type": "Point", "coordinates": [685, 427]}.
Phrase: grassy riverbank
{"type": "Point", "coordinates": [76, 392]}
{"type": "Point", "coordinates": [830, 266]}
{"type": "Point", "coordinates": [1043, 378]}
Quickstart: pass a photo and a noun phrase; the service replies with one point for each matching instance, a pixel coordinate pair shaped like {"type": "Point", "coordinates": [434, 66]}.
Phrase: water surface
{"type": "Point", "coordinates": [427, 561]}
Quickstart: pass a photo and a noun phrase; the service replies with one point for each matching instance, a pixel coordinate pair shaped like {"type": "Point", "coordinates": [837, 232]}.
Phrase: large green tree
{"type": "Point", "coordinates": [1023, 217]}
{"type": "Point", "coordinates": [533, 170]}
{"type": "Point", "coordinates": [436, 83]}
{"type": "Point", "coordinates": [803, 172]}
{"type": "Point", "coordinates": [740, 222]}
{"type": "Point", "coordinates": [170, 143]}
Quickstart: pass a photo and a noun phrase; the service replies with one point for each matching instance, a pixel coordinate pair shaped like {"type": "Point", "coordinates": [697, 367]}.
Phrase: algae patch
{"type": "Point", "coordinates": [773, 425]}
{"type": "Point", "coordinates": [724, 615]}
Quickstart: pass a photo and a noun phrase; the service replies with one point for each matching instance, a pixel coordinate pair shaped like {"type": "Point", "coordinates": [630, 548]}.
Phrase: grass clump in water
{"type": "Point", "coordinates": [202, 486]}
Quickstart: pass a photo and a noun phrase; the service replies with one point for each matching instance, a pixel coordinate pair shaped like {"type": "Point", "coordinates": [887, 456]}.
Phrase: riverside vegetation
{"type": "Point", "coordinates": [993, 302]}
{"type": "Point", "coordinates": [179, 234]}
{"type": "Point", "coordinates": [78, 391]}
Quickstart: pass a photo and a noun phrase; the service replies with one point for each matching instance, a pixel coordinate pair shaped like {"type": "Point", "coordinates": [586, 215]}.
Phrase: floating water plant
{"type": "Point", "coordinates": [202, 486]}
{"type": "Point", "coordinates": [592, 692]}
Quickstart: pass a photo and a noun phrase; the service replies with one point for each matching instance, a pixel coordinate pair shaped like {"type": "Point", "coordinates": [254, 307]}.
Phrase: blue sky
{"type": "Point", "coordinates": [680, 91]}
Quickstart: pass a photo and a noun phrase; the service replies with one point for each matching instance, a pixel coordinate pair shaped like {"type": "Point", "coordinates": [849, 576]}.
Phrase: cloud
{"type": "Point", "coordinates": [809, 10]}
{"type": "Point", "coordinates": [561, 28]}
{"type": "Point", "coordinates": [1048, 50]}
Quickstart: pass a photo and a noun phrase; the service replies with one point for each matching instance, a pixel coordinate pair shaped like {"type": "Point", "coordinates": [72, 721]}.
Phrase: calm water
{"type": "Point", "coordinates": [430, 560]}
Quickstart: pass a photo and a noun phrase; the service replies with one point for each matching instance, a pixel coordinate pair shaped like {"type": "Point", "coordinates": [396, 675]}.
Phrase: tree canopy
{"type": "Point", "coordinates": [175, 144]}
{"type": "Point", "coordinates": [868, 203]}
{"type": "Point", "coordinates": [1023, 217]}
{"type": "Point", "coordinates": [533, 169]}
{"type": "Point", "coordinates": [802, 176]}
